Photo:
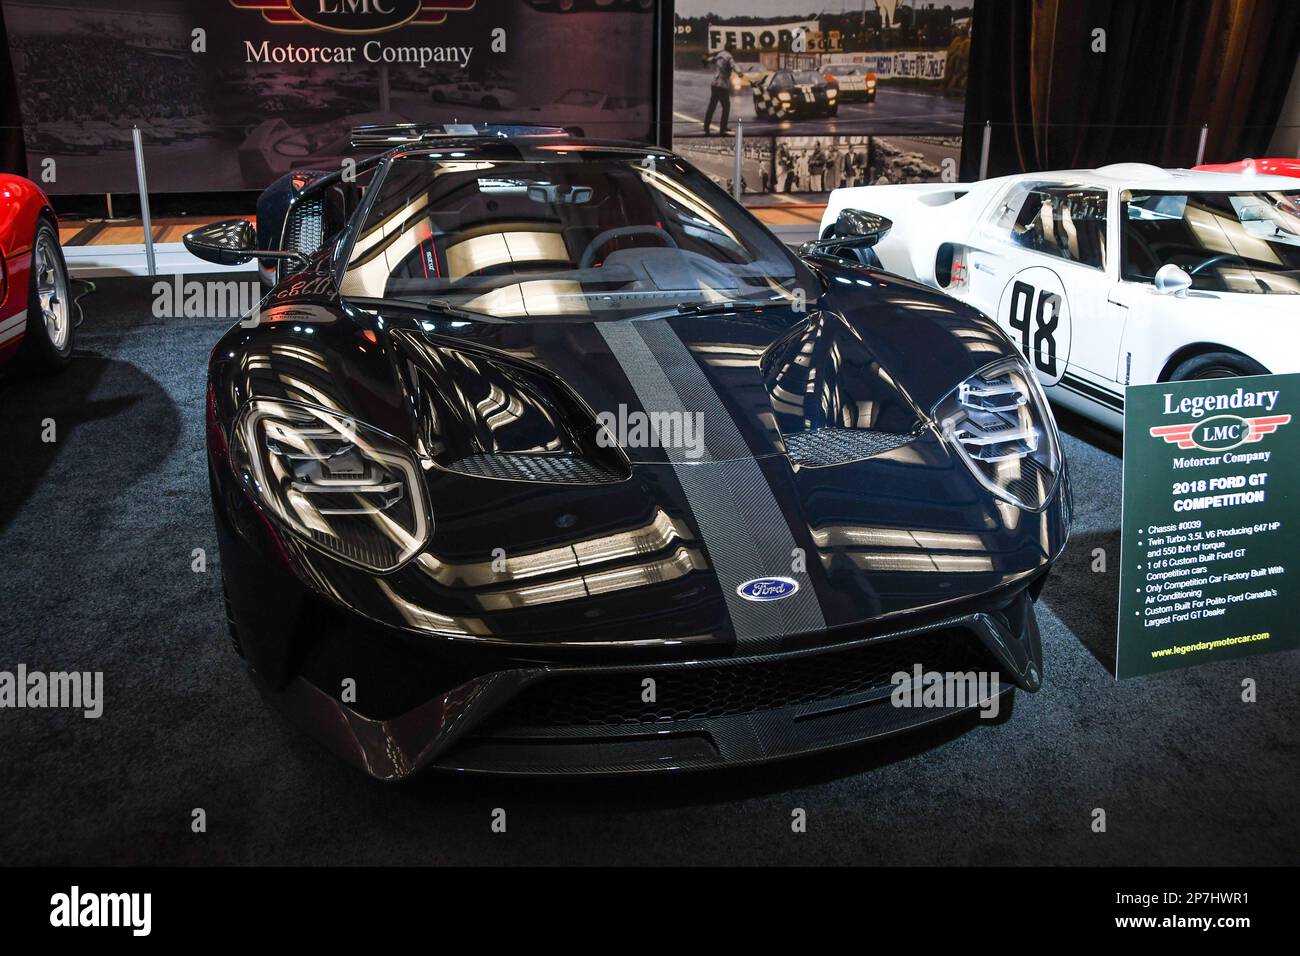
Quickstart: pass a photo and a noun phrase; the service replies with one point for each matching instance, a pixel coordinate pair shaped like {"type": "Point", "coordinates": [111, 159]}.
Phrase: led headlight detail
{"type": "Point", "coordinates": [999, 423]}
{"type": "Point", "coordinates": [346, 487]}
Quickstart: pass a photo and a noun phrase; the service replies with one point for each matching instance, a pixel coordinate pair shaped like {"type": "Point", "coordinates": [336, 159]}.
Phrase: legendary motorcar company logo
{"type": "Point", "coordinates": [767, 589]}
{"type": "Point", "coordinates": [355, 16]}
{"type": "Point", "coordinates": [1220, 432]}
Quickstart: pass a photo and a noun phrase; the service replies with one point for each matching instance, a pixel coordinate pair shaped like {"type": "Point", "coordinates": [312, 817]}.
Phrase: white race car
{"type": "Point", "coordinates": [1123, 275]}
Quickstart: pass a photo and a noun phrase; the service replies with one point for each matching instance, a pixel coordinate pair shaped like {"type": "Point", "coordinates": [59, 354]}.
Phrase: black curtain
{"type": "Point", "coordinates": [13, 153]}
{"type": "Point", "coordinates": [1168, 68]}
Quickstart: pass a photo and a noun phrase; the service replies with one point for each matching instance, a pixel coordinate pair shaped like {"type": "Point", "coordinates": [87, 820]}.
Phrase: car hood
{"type": "Point", "coordinates": [816, 462]}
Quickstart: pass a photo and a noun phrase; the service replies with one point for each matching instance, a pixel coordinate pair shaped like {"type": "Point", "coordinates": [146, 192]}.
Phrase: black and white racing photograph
{"type": "Point", "coordinates": [692, 434]}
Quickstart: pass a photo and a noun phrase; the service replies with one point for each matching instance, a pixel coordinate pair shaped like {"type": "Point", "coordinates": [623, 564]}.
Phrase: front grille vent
{"type": "Point", "coordinates": [713, 691]}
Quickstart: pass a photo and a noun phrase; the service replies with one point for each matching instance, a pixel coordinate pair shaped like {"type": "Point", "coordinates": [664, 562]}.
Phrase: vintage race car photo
{"type": "Point", "coordinates": [790, 94]}
{"type": "Point", "coordinates": [569, 6]}
{"type": "Point", "coordinates": [1105, 278]}
{"type": "Point", "coordinates": [489, 96]}
{"type": "Point", "coordinates": [747, 75]}
{"type": "Point", "coordinates": [594, 111]}
{"type": "Point", "coordinates": [531, 424]}
{"type": "Point", "coordinates": [36, 305]}
{"type": "Point", "coordinates": [854, 80]}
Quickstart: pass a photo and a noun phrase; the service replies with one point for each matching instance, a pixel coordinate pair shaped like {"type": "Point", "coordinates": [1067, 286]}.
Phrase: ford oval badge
{"type": "Point", "coordinates": [767, 589]}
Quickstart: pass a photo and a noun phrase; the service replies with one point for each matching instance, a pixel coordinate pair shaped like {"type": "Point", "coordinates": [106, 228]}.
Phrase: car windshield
{"type": "Point", "coordinates": [1226, 241]}
{"type": "Point", "coordinates": [569, 231]}
{"type": "Point", "coordinates": [807, 78]}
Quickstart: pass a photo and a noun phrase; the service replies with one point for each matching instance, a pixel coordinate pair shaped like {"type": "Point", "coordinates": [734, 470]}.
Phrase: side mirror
{"type": "Point", "coordinates": [231, 242]}
{"type": "Point", "coordinates": [853, 229]}
{"type": "Point", "coordinates": [1171, 280]}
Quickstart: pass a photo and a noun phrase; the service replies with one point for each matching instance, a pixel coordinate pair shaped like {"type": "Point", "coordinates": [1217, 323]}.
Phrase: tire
{"type": "Point", "coordinates": [1216, 365]}
{"type": "Point", "coordinates": [834, 110]}
{"type": "Point", "coordinates": [51, 328]}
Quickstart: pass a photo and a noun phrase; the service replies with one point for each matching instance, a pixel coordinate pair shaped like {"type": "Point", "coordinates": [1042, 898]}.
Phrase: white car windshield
{"type": "Point", "coordinates": [1226, 241]}
{"type": "Point", "coordinates": [566, 232]}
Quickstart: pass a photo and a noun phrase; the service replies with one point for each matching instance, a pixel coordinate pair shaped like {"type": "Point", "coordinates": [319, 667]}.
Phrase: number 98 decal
{"type": "Point", "coordinates": [1035, 311]}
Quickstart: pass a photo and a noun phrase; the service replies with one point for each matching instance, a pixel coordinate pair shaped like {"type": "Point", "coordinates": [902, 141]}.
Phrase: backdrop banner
{"type": "Point", "coordinates": [230, 94]}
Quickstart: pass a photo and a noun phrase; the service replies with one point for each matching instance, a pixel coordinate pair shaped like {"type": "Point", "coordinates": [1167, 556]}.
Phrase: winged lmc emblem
{"type": "Point", "coordinates": [1184, 435]}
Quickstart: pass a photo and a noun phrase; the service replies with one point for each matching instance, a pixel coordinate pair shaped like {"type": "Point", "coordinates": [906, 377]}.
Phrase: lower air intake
{"type": "Point", "coordinates": [523, 466]}
{"type": "Point", "coordinates": [713, 691]}
{"type": "Point", "coordinates": [835, 446]}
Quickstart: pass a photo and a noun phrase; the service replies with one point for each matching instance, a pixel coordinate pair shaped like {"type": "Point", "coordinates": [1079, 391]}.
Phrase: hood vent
{"type": "Point", "coordinates": [821, 447]}
{"type": "Point", "coordinates": [526, 466]}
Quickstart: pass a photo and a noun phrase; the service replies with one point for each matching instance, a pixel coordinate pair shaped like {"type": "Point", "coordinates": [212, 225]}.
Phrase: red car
{"type": "Point", "coordinates": [36, 318]}
{"type": "Point", "coordinates": [1264, 167]}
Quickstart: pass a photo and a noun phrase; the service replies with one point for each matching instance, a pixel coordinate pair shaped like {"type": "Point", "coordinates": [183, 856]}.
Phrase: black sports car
{"type": "Point", "coordinates": [790, 94]}
{"type": "Point", "coordinates": [545, 456]}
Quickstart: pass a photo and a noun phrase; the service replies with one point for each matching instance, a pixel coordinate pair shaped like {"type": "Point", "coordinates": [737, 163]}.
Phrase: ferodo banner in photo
{"type": "Point", "coordinates": [230, 94]}
{"type": "Point", "coordinates": [1211, 515]}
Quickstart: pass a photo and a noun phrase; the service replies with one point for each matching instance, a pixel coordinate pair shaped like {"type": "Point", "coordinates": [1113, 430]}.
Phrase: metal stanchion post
{"type": "Point", "coordinates": [740, 157]}
{"type": "Point", "coordinates": [984, 150]}
{"type": "Point", "coordinates": [144, 199]}
{"type": "Point", "coordinates": [1200, 149]}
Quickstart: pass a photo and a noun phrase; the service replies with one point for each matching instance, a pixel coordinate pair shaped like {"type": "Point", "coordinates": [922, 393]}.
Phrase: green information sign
{"type": "Point", "coordinates": [1211, 518]}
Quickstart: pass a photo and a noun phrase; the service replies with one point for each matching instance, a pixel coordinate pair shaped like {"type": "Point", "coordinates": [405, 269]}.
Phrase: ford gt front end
{"type": "Point", "coordinates": [552, 459]}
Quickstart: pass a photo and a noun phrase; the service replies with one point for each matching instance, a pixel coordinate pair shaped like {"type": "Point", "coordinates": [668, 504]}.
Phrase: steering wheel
{"type": "Point", "coordinates": [604, 238]}
{"type": "Point", "coordinates": [1221, 257]}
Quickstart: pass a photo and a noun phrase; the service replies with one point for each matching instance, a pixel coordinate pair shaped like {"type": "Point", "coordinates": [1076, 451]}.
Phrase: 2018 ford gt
{"type": "Point", "coordinates": [543, 455]}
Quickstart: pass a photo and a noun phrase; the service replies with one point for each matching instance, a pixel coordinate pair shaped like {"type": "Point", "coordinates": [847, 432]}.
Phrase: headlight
{"type": "Point", "coordinates": [346, 487]}
{"type": "Point", "coordinates": [1000, 425]}
{"type": "Point", "coordinates": [783, 97]}
{"type": "Point", "coordinates": [832, 93]}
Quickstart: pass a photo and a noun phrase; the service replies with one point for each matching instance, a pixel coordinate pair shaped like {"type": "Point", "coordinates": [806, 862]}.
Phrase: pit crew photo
{"type": "Point", "coordinates": [647, 434]}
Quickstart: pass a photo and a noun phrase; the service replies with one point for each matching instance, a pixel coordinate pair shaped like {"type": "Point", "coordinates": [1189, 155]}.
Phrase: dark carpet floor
{"type": "Point", "coordinates": [96, 535]}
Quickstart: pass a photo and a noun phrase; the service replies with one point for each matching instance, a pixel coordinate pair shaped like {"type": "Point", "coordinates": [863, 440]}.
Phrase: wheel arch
{"type": "Point", "coordinates": [1194, 349]}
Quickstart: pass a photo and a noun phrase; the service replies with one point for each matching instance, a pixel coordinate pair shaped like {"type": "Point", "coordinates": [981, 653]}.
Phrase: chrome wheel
{"type": "Point", "coordinates": [52, 290]}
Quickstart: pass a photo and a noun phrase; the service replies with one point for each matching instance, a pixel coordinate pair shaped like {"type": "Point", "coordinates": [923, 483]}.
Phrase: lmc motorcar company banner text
{"type": "Point", "coordinates": [230, 94]}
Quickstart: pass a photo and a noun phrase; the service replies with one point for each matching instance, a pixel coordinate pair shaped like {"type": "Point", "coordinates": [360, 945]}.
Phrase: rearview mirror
{"type": "Point", "coordinates": [1171, 280]}
{"type": "Point", "coordinates": [231, 242]}
{"type": "Point", "coordinates": [853, 229]}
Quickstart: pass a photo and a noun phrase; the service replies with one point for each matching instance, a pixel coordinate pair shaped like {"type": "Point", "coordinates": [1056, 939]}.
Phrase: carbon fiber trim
{"type": "Point", "coordinates": [745, 532]}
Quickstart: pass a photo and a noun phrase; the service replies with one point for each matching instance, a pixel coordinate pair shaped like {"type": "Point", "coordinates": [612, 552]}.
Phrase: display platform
{"type": "Point", "coordinates": [101, 527]}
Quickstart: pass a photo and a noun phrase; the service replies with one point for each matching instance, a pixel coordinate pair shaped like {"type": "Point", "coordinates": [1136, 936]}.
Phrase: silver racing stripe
{"type": "Point", "coordinates": [744, 529]}
{"type": "Point", "coordinates": [13, 326]}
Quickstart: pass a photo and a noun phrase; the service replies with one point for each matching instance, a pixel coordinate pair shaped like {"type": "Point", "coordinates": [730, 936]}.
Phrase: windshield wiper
{"type": "Point", "coordinates": [713, 308]}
